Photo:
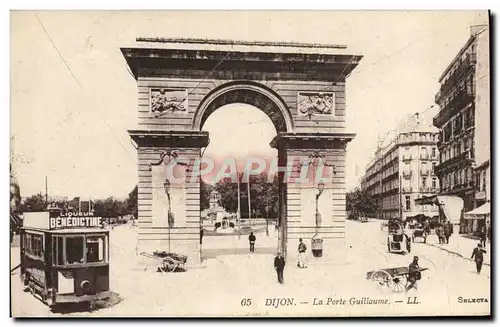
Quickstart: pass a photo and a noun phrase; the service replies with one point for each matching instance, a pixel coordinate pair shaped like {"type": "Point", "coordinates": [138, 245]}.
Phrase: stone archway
{"type": "Point", "coordinates": [301, 87]}
{"type": "Point", "coordinates": [246, 92]}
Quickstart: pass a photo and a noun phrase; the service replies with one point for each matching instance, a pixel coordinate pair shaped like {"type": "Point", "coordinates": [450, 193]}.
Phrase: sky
{"type": "Point", "coordinates": [69, 119]}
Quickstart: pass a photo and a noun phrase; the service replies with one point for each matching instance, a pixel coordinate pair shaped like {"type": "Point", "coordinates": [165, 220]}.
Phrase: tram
{"type": "Point", "coordinates": [65, 257]}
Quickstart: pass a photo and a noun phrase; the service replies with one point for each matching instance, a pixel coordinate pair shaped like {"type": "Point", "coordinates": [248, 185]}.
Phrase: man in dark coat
{"type": "Point", "coordinates": [279, 265]}
{"type": "Point", "coordinates": [477, 255]}
{"type": "Point", "coordinates": [414, 274]}
{"type": "Point", "coordinates": [251, 240]}
{"type": "Point", "coordinates": [482, 235]}
{"type": "Point", "coordinates": [448, 228]}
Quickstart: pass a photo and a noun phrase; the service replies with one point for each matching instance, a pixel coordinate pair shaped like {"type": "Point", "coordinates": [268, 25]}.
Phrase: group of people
{"type": "Point", "coordinates": [444, 232]}
{"type": "Point", "coordinates": [279, 261]}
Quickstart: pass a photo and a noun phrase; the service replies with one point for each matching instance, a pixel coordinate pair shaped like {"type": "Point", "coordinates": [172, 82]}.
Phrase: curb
{"type": "Point", "coordinates": [456, 253]}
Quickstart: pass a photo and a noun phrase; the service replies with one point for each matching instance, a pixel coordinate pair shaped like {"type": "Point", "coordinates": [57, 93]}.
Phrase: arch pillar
{"type": "Point", "coordinates": [305, 159]}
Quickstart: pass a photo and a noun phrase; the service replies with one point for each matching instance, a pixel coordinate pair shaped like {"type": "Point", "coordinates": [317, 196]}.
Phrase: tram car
{"type": "Point", "coordinates": [397, 240]}
{"type": "Point", "coordinates": [65, 257]}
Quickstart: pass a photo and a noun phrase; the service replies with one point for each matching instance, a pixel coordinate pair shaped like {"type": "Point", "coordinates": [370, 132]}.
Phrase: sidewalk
{"type": "Point", "coordinates": [461, 246]}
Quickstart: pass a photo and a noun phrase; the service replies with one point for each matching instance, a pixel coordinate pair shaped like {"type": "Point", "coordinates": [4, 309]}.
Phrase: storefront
{"type": "Point", "coordinates": [477, 219]}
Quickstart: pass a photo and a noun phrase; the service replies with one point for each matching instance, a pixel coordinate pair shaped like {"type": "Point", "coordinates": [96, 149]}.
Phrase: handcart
{"type": "Point", "coordinates": [396, 279]}
{"type": "Point", "coordinates": [167, 262]}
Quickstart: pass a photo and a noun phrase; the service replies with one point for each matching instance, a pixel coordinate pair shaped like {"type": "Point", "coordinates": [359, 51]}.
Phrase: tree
{"type": "Point", "coordinates": [360, 202]}
{"type": "Point", "coordinates": [131, 203]}
{"type": "Point", "coordinates": [205, 190]}
{"type": "Point", "coordinates": [34, 203]}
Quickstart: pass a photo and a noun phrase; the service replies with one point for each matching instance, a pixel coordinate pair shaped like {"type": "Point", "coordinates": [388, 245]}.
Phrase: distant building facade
{"type": "Point", "coordinates": [403, 170]}
{"type": "Point", "coordinates": [464, 124]}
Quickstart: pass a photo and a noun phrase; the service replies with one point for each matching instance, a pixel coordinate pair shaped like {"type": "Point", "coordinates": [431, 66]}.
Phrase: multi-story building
{"type": "Point", "coordinates": [403, 171]}
{"type": "Point", "coordinates": [464, 123]}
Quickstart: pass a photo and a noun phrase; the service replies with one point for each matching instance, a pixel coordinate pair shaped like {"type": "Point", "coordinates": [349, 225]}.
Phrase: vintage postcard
{"type": "Point", "coordinates": [250, 163]}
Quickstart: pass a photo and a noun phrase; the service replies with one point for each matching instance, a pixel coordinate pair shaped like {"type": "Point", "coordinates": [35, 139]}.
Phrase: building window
{"type": "Point", "coordinates": [434, 183]}
{"type": "Point", "coordinates": [424, 181]}
{"type": "Point", "coordinates": [434, 152]}
{"type": "Point", "coordinates": [408, 202]}
{"type": "Point", "coordinates": [433, 167]}
{"type": "Point", "coordinates": [483, 188]}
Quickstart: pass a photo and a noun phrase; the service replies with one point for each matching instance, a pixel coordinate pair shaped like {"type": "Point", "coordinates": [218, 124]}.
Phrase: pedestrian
{"type": "Point", "coordinates": [447, 232]}
{"type": "Point", "coordinates": [438, 233]}
{"type": "Point", "coordinates": [251, 240]}
{"type": "Point", "coordinates": [279, 265]}
{"type": "Point", "coordinates": [413, 274]}
{"type": "Point", "coordinates": [302, 254]}
{"type": "Point", "coordinates": [482, 235]}
{"type": "Point", "coordinates": [489, 233]}
{"type": "Point", "coordinates": [477, 255]}
{"type": "Point", "coordinates": [201, 235]}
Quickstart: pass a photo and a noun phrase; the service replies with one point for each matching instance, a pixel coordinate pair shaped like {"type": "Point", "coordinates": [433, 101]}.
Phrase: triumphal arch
{"type": "Point", "coordinates": [301, 88]}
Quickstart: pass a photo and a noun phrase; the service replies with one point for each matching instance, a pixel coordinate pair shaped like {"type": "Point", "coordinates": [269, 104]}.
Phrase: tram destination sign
{"type": "Point", "coordinates": [75, 220]}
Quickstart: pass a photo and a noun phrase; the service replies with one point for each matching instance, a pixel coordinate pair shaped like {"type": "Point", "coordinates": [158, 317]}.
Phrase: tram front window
{"type": "Point", "coordinates": [74, 249]}
{"type": "Point", "coordinates": [95, 248]}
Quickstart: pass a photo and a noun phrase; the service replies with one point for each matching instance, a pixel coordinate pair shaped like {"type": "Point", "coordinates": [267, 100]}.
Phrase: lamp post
{"type": "Point", "coordinates": [166, 187]}
{"type": "Point", "coordinates": [317, 243]}
{"type": "Point", "coordinates": [321, 188]}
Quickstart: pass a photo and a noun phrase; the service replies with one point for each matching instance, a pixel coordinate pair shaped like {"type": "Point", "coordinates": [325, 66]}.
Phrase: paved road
{"type": "Point", "coordinates": [227, 280]}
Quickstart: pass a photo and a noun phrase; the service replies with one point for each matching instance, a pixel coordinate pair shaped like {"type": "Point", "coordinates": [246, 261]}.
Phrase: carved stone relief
{"type": "Point", "coordinates": [316, 103]}
{"type": "Point", "coordinates": [168, 100]}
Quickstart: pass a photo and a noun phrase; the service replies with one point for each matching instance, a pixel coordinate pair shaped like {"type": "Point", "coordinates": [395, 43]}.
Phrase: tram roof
{"type": "Point", "coordinates": [71, 230]}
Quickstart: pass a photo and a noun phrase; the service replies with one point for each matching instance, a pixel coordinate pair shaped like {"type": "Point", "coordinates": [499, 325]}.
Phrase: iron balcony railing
{"type": "Point", "coordinates": [460, 100]}
{"type": "Point", "coordinates": [462, 69]}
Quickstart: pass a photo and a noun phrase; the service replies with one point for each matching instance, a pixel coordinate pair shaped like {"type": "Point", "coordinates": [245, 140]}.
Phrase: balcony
{"type": "Point", "coordinates": [464, 159]}
{"type": "Point", "coordinates": [407, 157]}
{"type": "Point", "coordinates": [460, 100]}
{"type": "Point", "coordinates": [463, 68]}
{"type": "Point", "coordinates": [407, 189]}
{"type": "Point", "coordinates": [424, 156]}
{"type": "Point", "coordinates": [425, 172]}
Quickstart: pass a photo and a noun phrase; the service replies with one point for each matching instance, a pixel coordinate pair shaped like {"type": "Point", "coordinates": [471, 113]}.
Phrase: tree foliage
{"type": "Point", "coordinates": [263, 196]}
{"type": "Point", "coordinates": [34, 203]}
{"type": "Point", "coordinates": [360, 202]}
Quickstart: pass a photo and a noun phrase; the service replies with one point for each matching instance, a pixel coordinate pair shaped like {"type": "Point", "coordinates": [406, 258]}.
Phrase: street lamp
{"type": "Point", "coordinates": [166, 187]}
{"type": "Point", "coordinates": [317, 243]}
{"type": "Point", "coordinates": [321, 188]}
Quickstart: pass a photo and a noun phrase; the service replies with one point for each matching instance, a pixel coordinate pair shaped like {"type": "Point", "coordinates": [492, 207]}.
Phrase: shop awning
{"type": "Point", "coordinates": [451, 207]}
{"type": "Point", "coordinates": [478, 213]}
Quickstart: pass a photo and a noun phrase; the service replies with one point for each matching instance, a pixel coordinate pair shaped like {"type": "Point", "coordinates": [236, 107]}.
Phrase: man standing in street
{"type": "Point", "coordinates": [414, 274]}
{"type": "Point", "coordinates": [279, 265]}
{"type": "Point", "coordinates": [251, 239]}
{"type": "Point", "coordinates": [482, 236]}
{"type": "Point", "coordinates": [447, 231]}
{"type": "Point", "coordinates": [477, 255]}
{"type": "Point", "coordinates": [302, 254]}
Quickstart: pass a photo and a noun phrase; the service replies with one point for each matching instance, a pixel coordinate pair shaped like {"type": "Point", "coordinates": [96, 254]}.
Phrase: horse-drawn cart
{"type": "Point", "coordinates": [419, 232]}
{"type": "Point", "coordinates": [167, 262]}
{"type": "Point", "coordinates": [396, 279]}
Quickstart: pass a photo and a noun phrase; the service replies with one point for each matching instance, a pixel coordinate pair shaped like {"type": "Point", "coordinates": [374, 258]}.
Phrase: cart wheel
{"type": "Point", "coordinates": [169, 264]}
{"type": "Point", "coordinates": [381, 277]}
{"type": "Point", "coordinates": [397, 284]}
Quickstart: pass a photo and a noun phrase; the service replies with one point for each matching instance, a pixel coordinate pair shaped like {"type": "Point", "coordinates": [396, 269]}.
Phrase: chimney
{"type": "Point", "coordinates": [476, 29]}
